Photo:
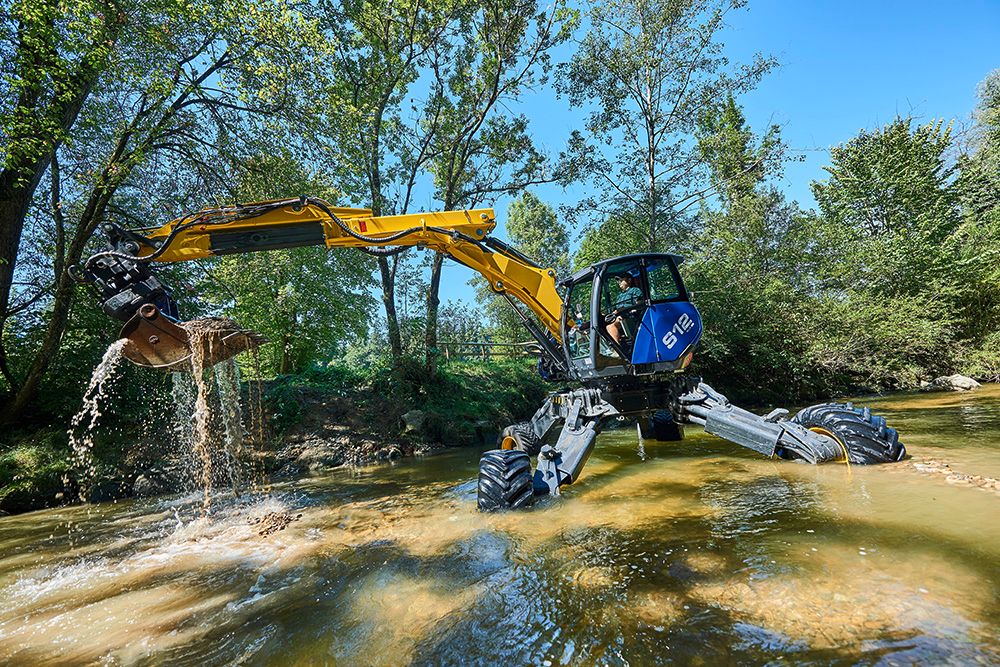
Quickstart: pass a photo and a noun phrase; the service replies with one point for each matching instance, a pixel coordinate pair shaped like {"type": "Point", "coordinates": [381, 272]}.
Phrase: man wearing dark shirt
{"type": "Point", "coordinates": [630, 296]}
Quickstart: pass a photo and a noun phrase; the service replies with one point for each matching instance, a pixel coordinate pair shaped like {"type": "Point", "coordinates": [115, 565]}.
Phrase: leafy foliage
{"type": "Point", "coordinates": [646, 71]}
{"type": "Point", "coordinates": [463, 403]}
{"type": "Point", "coordinates": [308, 302]}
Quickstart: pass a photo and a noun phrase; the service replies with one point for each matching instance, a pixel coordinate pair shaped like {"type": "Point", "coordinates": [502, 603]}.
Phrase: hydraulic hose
{"type": "Point", "coordinates": [231, 214]}
{"type": "Point", "coordinates": [202, 219]}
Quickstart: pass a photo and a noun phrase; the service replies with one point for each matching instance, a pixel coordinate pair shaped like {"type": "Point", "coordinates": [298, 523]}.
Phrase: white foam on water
{"type": "Point", "coordinates": [229, 535]}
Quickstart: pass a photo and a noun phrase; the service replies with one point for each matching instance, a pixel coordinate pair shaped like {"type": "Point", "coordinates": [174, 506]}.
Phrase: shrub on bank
{"type": "Point", "coordinates": [32, 471]}
{"type": "Point", "coordinates": [465, 402]}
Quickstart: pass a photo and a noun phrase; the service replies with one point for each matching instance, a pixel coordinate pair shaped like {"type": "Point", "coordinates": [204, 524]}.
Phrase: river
{"type": "Point", "coordinates": [699, 553]}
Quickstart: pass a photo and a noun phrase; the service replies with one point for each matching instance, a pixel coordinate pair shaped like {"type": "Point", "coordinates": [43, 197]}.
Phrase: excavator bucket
{"type": "Point", "coordinates": [157, 342]}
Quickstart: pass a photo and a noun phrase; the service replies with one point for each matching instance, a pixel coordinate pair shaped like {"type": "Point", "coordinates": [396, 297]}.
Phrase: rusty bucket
{"type": "Point", "coordinates": [155, 341]}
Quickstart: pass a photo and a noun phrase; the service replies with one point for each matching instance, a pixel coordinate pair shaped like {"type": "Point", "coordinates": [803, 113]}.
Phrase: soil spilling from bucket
{"type": "Point", "coordinates": [219, 439]}
{"type": "Point", "coordinates": [210, 442]}
{"type": "Point", "coordinates": [81, 430]}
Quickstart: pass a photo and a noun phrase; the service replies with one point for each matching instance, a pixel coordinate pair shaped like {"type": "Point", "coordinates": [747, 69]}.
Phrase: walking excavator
{"type": "Point", "coordinates": [616, 338]}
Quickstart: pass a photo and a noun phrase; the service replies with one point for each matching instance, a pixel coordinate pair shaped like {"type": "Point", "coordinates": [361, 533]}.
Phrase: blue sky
{"type": "Point", "coordinates": [844, 66]}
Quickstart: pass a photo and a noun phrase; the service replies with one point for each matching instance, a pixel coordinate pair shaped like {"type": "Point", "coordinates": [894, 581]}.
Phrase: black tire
{"type": "Point", "coordinates": [521, 437]}
{"type": "Point", "coordinates": [660, 426]}
{"type": "Point", "coordinates": [866, 436]}
{"type": "Point", "coordinates": [504, 480]}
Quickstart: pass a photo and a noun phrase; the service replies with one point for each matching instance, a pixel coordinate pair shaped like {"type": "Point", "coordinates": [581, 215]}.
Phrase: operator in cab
{"type": "Point", "coordinates": [630, 296]}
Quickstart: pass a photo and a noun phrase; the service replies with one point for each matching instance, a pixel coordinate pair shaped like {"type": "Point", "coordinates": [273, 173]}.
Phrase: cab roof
{"type": "Point", "coordinates": [598, 266]}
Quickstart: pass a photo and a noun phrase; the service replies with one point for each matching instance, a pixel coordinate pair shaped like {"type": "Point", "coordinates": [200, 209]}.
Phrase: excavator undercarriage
{"type": "Point", "coordinates": [618, 335]}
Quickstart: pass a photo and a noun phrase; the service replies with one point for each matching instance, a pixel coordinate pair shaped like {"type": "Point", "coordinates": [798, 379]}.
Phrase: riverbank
{"type": "Point", "coordinates": [296, 425]}
{"type": "Point", "coordinates": [305, 423]}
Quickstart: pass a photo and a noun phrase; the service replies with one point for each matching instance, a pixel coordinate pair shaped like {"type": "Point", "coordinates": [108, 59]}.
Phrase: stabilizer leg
{"type": "Point", "coordinates": [766, 434]}
{"type": "Point", "coordinates": [582, 411]}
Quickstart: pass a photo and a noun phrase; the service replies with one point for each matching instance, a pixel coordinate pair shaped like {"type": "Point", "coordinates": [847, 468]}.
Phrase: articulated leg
{"type": "Point", "coordinates": [562, 464]}
{"type": "Point", "coordinates": [505, 477]}
{"type": "Point", "coordinates": [840, 432]}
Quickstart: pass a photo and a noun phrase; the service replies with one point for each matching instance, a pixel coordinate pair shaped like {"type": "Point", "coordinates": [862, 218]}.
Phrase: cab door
{"type": "Point", "coordinates": [578, 326]}
{"type": "Point", "coordinates": [623, 300]}
{"type": "Point", "coordinates": [670, 325]}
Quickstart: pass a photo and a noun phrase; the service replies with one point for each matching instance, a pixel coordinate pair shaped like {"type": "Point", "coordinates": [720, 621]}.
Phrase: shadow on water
{"type": "Point", "coordinates": [698, 554]}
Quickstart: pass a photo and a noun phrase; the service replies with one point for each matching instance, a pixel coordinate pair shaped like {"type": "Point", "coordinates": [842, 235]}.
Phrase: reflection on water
{"type": "Point", "coordinates": [698, 554]}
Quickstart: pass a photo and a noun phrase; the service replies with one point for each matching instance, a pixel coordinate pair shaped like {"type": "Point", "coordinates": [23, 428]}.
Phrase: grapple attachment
{"type": "Point", "coordinates": [157, 342]}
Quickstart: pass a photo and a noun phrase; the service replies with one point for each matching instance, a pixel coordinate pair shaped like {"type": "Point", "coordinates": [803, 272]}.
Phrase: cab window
{"type": "Point", "coordinates": [622, 287]}
{"type": "Point", "coordinates": [662, 284]}
{"type": "Point", "coordinates": [578, 326]}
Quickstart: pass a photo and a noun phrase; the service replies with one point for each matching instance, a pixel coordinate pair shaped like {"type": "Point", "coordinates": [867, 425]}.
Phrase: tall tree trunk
{"type": "Point", "coordinates": [430, 333]}
{"type": "Point", "coordinates": [15, 198]}
{"type": "Point", "coordinates": [21, 176]}
{"type": "Point", "coordinates": [389, 302]}
{"type": "Point", "coordinates": [65, 288]}
{"type": "Point", "coordinates": [46, 351]}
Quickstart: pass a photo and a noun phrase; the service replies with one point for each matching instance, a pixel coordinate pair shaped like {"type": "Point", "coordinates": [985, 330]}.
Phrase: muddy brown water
{"type": "Point", "coordinates": [699, 554]}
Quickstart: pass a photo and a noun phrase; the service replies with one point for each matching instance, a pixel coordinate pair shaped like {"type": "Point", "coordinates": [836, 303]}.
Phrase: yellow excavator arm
{"type": "Point", "coordinates": [127, 287]}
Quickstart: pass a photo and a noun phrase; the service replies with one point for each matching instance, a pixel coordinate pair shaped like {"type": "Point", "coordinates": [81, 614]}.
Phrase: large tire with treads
{"type": "Point", "coordinates": [504, 480]}
{"type": "Point", "coordinates": [665, 428]}
{"type": "Point", "coordinates": [867, 438]}
{"type": "Point", "coordinates": [520, 436]}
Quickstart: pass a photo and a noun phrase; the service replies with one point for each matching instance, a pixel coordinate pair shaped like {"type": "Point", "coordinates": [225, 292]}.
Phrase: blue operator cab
{"type": "Point", "coordinates": [629, 316]}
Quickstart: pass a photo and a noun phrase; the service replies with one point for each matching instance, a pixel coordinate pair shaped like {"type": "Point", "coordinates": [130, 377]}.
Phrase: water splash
{"type": "Point", "coordinates": [209, 447]}
{"type": "Point", "coordinates": [227, 384]}
{"type": "Point", "coordinates": [217, 437]}
{"type": "Point", "coordinates": [90, 412]}
{"type": "Point", "coordinates": [642, 443]}
{"type": "Point", "coordinates": [200, 343]}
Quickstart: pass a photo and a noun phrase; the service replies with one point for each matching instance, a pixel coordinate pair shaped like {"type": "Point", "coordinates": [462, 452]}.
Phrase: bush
{"type": "Point", "coordinates": [32, 470]}
{"type": "Point", "coordinates": [466, 400]}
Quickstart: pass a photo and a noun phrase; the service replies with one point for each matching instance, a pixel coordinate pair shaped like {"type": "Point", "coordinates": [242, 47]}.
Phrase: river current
{"type": "Point", "coordinates": [687, 553]}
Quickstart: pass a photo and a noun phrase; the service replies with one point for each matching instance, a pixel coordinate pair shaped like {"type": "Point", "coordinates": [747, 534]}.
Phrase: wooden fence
{"type": "Point", "coordinates": [467, 350]}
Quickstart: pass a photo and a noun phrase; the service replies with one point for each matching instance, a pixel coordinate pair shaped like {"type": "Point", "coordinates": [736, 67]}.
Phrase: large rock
{"type": "Point", "coordinates": [951, 383]}
{"type": "Point", "coordinates": [147, 487]}
{"type": "Point", "coordinates": [321, 453]}
{"type": "Point", "coordinates": [414, 421]}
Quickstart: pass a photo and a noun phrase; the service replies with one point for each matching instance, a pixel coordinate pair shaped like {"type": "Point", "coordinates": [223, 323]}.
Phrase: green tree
{"type": "Point", "coordinates": [481, 148]}
{"type": "Point", "coordinates": [53, 54]}
{"type": "Point", "coordinates": [979, 163]}
{"type": "Point", "coordinates": [186, 81]}
{"type": "Point", "coordinates": [979, 194]}
{"type": "Point", "coordinates": [380, 140]}
{"type": "Point", "coordinates": [892, 206]}
{"type": "Point", "coordinates": [310, 303]}
{"type": "Point", "coordinates": [745, 267]}
{"type": "Point", "coordinates": [647, 69]}
{"type": "Point", "coordinates": [888, 256]}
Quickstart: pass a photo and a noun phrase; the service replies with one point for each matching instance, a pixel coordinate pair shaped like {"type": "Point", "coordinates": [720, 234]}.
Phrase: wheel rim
{"type": "Point", "coordinates": [508, 442]}
{"type": "Point", "coordinates": [829, 434]}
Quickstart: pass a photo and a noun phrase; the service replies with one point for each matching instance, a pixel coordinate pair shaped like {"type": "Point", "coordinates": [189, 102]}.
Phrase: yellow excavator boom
{"type": "Point", "coordinates": [461, 235]}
